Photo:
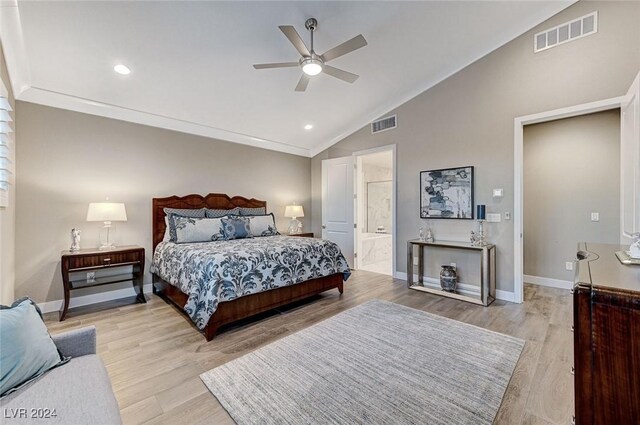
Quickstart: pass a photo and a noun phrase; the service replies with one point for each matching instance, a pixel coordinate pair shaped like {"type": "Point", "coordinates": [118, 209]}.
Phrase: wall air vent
{"type": "Point", "coordinates": [384, 124]}
{"type": "Point", "coordinates": [566, 32]}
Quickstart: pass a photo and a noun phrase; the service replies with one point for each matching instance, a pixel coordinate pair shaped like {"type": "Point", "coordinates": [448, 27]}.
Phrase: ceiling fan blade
{"type": "Point", "coordinates": [276, 65]}
{"type": "Point", "coordinates": [342, 49]}
{"type": "Point", "coordinates": [293, 36]}
{"type": "Point", "coordinates": [339, 73]}
{"type": "Point", "coordinates": [303, 83]}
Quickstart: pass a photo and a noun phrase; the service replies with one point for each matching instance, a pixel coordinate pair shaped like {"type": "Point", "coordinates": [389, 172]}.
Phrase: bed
{"type": "Point", "coordinates": [180, 270]}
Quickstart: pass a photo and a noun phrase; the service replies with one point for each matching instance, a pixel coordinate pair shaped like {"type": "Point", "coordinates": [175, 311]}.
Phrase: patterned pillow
{"type": "Point", "coordinates": [179, 212]}
{"type": "Point", "coordinates": [190, 229]}
{"type": "Point", "coordinates": [263, 225]}
{"type": "Point", "coordinates": [236, 227]}
{"type": "Point", "coordinates": [253, 211]}
{"type": "Point", "coordinates": [186, 212]}
{"type": "Point", "coordinates": [217, 213]}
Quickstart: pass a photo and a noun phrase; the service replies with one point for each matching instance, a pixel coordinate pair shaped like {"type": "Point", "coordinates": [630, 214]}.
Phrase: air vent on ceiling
{"type": "Point", "coordinates": [384, 124]}
{"type": "Point", "coordinates": [566, 32]}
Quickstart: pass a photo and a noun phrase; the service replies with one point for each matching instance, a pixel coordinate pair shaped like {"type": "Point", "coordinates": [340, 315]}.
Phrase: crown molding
{"type": "Point", "coordinates": [87, 106]}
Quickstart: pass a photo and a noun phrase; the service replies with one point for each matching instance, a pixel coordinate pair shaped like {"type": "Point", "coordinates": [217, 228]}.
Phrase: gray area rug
{"type": "Point", "coordinates": [378, 363]}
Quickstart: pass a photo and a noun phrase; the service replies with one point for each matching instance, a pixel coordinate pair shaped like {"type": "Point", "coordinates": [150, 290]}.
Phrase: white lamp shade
{"type": "Point", "coordinates": [106, 211]}
{"type": "Point", "coordinates": [292, 211]}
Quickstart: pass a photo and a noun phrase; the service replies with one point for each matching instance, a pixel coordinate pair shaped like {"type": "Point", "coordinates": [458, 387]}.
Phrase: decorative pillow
{"type": "Point", "coordinates": [236, 227]}
{"type": "Point", "coordinates": [186, 212]}
{"type": "Point", "coordinates": [253, 211]}
{"type": "Point", "coordinates": [263, 225]}
{"type": "Point", "coordinates": [217, 213]}
{"type": "Point", "coordinates": [189, 229]}
{"type": "Point", "coordinates": [27, 348]}
{"type": "Point", "coordinates": [169, 232]}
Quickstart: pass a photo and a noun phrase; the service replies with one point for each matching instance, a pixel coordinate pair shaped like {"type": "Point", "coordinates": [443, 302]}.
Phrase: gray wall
{"type": "Point", "coordinates": [7, 215]}
{"type": "Point", "coordinates": [571, 169]}
{"type": "Point", "coordinates": [467, 119]}
{"type": "Point", "coordinates": [68, 159]}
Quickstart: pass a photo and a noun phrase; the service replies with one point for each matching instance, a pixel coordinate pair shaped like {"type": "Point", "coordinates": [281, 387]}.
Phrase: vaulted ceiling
{"type": "Point", "coordinates": [192, 71]}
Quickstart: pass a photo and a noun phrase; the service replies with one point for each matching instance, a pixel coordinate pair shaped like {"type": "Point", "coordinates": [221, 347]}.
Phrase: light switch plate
{"type": "Point", "coordinates": [568, 265]}
{"type": "Point", "coordinates": [494, 217]}
{"type": "Point", "coordinates": [595, 216]}
{"type": "Point", "coordinates": [498, 193]}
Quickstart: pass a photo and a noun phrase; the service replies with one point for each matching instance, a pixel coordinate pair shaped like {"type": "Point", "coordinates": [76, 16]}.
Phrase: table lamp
{"type": "Point", "coordinates": [107, 212]}
{"type": "Point", "coordinates": [293, 212]}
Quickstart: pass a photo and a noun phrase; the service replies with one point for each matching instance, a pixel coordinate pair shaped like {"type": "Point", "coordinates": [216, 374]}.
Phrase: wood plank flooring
{"type": "Point", "coordinates": [155, 356]}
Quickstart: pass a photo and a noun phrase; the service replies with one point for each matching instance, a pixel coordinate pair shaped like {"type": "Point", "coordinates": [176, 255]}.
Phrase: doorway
{"type": "Point", "coordinates": [359, 207]}
{"type": "Point", "coordinates": [571, 192]}
{"type": "Point", "coordinates": [374, 212]}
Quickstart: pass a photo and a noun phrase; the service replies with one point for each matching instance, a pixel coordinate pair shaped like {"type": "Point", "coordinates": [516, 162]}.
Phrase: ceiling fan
{"type": "Point", "coordinates": [312, 63]}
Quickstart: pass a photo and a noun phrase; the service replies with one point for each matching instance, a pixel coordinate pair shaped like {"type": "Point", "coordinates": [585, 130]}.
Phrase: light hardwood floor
{"type": "Point", "coordinates": [155, 356]}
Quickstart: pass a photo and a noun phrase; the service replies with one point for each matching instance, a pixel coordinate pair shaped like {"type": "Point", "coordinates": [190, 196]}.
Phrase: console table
{"type": "Point", "coordinates": [487, 292]}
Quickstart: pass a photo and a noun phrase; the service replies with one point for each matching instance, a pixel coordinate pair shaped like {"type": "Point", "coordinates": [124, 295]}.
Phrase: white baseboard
{"type": "Point", "coordinates": [547, 281]}
{"type": "Point", "coordinates": [82, 300]}
{"type": "Point", "coordinates": [500, 294]}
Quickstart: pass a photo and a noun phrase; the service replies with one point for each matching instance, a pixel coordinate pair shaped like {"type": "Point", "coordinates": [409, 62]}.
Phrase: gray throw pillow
{"type": "Point", "coordinates": [218, 213]}
{"type": "Point", "coordinates": [186, 212]}
{"type": "Point", "coordinates": [27, 348]}
{"type": "Point", "coordinates": [253, 211]}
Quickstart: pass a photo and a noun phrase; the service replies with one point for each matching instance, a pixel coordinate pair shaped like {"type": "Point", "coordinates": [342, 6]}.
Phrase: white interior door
{"type": "Point", "coordinates": [630, 162]}
{"type": "Point", "coordinates": [338, 204]}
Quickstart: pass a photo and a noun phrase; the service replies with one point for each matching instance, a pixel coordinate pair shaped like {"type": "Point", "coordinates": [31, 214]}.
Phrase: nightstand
{"type": "Point", "coordinates": [302, 235]}
{"type": "Point", "coordinates": [75, 266]}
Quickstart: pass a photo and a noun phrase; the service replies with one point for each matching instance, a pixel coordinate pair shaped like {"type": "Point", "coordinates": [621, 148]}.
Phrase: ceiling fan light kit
{"type": "Point", "coordinates": [311, 63]}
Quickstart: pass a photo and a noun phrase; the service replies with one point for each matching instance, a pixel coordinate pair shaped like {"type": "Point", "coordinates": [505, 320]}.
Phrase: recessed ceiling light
{"type": "Point", "coordinates": [122, 69]}
{"type": "Point", "coordinates": [308, 127]}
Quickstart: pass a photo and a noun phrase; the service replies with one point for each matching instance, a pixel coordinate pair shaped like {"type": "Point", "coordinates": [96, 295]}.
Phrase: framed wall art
{"type": "Point", "coordinates": [447, 193]}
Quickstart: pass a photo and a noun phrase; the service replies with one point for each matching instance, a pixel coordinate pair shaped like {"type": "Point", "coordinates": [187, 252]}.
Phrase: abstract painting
{"type": "Point", "coordinates": [447, 193]}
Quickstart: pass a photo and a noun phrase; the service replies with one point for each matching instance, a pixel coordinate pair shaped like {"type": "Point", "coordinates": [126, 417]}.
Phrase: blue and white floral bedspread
{"type": "Point", "coordinates": [212, 272]}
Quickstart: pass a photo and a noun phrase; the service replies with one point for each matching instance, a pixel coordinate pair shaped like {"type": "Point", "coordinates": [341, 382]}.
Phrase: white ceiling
{"type": "Point", "coordinates": [192, 62]}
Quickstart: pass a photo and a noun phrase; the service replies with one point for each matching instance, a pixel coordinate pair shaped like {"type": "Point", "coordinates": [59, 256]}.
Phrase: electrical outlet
{"type": "Point", "coordinates": [91, 277]}
{"type": "Point", "coordinates": [568, 265]}
{"type": "Point", "coordinates": [454, 265]}
{"type": "Point", "coordinates": [595, 216]}
{"type": "Point", "coordinates": [507, 215]}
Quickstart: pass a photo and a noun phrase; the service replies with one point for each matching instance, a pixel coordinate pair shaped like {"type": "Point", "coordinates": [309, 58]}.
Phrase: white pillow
{"type": "Point", "coordinates": [192, 229]}
{"type": "Point", "coordinates": [263, 225]}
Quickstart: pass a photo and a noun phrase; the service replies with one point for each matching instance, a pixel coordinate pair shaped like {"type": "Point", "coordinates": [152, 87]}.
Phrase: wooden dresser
{"type": "Point", "coordinates": [606, 314]}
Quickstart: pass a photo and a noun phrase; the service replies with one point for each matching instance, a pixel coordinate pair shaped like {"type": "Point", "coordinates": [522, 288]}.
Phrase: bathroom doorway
{"type": "Point", "coordinates": [375, 210]}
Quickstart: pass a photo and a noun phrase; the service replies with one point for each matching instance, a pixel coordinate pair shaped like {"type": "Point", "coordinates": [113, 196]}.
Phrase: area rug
{"type": "Point", "coordinates": [378, 363]}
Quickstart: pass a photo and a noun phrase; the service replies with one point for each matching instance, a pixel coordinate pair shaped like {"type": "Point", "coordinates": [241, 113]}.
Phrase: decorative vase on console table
{"type": "Point", "coordinates": [448, 278]}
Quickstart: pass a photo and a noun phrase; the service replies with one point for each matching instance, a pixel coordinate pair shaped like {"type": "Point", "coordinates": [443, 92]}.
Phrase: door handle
{"type": "Point", "coordinates": [324, 226]}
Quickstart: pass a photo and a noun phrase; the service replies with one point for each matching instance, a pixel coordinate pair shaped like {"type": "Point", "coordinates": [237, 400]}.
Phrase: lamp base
{"type": "Point", "coordinates": [295, 227]}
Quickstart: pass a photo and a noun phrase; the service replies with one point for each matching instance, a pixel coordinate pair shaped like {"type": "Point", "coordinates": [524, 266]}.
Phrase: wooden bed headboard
{"type": "Point", "coordinates": [212, 200]}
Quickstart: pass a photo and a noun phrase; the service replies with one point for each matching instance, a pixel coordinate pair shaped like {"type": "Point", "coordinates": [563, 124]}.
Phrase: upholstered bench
{"type": "Point", "coordinates": [78, 392]}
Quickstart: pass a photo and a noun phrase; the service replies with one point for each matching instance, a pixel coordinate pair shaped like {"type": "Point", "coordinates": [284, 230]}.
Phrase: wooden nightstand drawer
{"type": "Point", "coordinates": [103, 260]}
